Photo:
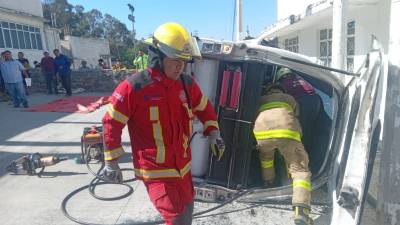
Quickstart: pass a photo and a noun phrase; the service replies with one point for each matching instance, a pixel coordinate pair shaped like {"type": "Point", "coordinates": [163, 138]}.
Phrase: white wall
{"type": "Point", "coordinates": [367, 24]}
{"type": "Point", "coordinates": [33, 7]}
{"type": "Point", "coordinates": [30, 54]}
{"type": "Point", "coordinates": [88, 49]}
{"type": "Point", "coordinates": [285, 8]}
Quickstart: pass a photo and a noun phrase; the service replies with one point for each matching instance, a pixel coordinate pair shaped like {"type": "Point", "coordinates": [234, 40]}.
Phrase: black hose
{"type": "Point", "coordinates": [100, 181]}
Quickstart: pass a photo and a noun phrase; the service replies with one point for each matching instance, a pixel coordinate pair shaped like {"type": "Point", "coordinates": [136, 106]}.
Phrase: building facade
{"type": "Point", "coordinates": [305, 27]}
{"type": "Point", "coordinates": [22, 29]}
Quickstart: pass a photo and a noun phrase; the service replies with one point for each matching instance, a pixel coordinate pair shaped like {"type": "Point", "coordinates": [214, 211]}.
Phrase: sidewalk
{"type": "Point", "coordinates": [36, 201]}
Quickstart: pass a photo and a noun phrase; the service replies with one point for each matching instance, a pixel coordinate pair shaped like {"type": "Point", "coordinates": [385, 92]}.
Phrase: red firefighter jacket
{"type": "Point", "coordinates": [159, 119]}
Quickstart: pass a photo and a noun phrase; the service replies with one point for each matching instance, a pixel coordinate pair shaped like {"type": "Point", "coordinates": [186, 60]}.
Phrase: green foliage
{"type": "Point", "coordinates": [73, 20]}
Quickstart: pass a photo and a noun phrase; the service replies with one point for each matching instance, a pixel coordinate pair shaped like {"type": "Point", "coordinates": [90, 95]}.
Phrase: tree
{"type": "Point", "coordinates": [73, 20]}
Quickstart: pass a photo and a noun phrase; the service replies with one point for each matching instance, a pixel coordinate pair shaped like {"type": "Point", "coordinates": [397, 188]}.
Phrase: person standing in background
{"type": "Point", "coordinates": [62, 67]}
{"type": "Point", "coordinates": [25, 62]}
{"type": "Point", "coordinates": [11, 71]}
{"type": "Point", "coordinates": [48, 71]}
{"type": "Point", "coordinates": [140, 61]}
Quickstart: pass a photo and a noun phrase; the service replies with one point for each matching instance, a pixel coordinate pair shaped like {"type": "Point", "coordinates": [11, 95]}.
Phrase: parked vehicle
{"type": "Point", "coordinates": [345, 136]}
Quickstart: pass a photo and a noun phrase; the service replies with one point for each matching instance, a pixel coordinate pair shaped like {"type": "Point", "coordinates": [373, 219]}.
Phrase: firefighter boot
{"type": "Point", "coordinates": [302, 215]}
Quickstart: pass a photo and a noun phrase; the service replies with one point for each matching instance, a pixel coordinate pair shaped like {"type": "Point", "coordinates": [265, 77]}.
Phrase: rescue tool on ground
{"type": "Point", "coordinates": [28, 164]}
{"type": "Point", "coordinates": [92, 144]}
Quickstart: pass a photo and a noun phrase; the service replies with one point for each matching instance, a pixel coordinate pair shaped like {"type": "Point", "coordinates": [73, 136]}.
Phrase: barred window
{"type": "Point", "coordinates": [292, 44]}
{"type": "Point", "coordinates": [325, 46]}
{"type": "Point", "coordinates": [20, 36]}
{"type": "Point", "coordinates": [351, 31]}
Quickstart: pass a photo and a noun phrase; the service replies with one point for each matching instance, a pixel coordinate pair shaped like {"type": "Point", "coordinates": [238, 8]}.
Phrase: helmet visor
{"type": "Point", "coordinates": [190, 49]}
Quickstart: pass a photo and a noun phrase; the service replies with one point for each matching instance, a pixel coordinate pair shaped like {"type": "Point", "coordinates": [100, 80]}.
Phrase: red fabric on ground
{"type": "Point", "coordinates": [80, 104]}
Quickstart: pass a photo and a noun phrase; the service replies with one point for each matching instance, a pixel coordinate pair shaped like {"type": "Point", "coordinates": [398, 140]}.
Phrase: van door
{"type": "Point", "coordinates": [353, 165]}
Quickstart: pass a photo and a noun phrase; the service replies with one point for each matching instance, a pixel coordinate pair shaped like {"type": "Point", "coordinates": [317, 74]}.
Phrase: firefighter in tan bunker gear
{"type": "Point", "coordinates": [277, 128]}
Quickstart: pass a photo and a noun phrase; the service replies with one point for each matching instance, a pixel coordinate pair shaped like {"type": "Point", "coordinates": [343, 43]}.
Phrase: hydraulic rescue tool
{"type": "Point", "coordinates": [92, 144]}
{"type": "Point", "coordinates": [28, 164]}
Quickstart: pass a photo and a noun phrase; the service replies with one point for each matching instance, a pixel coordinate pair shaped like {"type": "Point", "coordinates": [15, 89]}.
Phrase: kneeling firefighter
{"type": "Point", "coordinates": [159, 105]}
{"type": "Point", "coordinates": [277, 128]}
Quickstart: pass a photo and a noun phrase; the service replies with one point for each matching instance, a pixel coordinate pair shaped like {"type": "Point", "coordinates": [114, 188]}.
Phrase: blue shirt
{"type": "Point", "coordinates": [11, 71]}
{"type": "Point", "coordinates": [62, 65]}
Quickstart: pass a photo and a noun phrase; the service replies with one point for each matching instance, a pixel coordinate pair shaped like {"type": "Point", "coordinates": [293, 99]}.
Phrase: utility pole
{"type": "Point", "coordinates": [339, 34]}
{"type": "Point", "coordinates": [388, 207]}
{"type": "Point", "coordinates": [131, 17]}
{"type": "Point", "coordinates": [238, 19]}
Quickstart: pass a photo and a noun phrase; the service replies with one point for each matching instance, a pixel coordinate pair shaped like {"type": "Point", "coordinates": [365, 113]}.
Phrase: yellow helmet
{"type": "Point", "coordinates": [174, 41]}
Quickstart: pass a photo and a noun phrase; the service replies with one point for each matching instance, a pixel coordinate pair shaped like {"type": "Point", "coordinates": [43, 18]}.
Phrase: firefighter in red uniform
{"type": "Point", "coordinates": [159, 105]}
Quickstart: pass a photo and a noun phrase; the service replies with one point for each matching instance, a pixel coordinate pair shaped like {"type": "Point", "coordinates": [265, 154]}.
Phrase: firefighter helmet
{"type": "Point", "coordinates": [174, 41]}
{"type": "Point", "coordinates": [282, 72]}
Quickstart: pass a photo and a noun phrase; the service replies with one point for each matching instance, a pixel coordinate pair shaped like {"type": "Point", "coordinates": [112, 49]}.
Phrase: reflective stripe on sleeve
{"type": "Point", "coordinates": [202, 105]}
{"type": "Point", "coordinates": [302, 183]}
{"type": "Point", "coordinates": [118, 116]}
{"type": "Point", "coordinates": [158, 139]}
{"type": "Point", "coordinates": [272, 105]}
{"type": "Point", "coordinates": [267, 164]}
{"type": "Point", "coordinates": [186, 169]}
{"type": "Point", "coordinates": [210, 123]}
{"type": "Point", "coordinates": [113, 154]}
{"type": "Point", "coordinates": [260, 135]}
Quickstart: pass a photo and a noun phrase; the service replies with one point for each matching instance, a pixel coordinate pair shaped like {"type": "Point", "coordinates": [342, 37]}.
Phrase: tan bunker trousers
{"type": "Point", "coordinates": [297, 161]}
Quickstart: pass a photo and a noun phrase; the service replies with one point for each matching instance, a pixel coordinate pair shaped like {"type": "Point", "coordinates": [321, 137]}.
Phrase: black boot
{"type": "Point", "coordinates": [302, 215]}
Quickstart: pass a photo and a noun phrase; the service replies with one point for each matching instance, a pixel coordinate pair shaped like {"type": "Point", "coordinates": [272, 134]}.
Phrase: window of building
{"type": "Point", "coordinates": [292, 44]}
{"type": "Point", "coordinates": [19, 36]}
{"type": "Point", "coordinates": [351, 30]}
{"type": "Point", "coordinates": [325, 46]}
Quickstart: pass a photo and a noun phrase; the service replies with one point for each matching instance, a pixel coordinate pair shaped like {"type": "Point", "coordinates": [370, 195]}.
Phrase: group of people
{"type": "Point", "coordinates": [159, 103]}
{"type": "Point", "coordinates": [14, 73]}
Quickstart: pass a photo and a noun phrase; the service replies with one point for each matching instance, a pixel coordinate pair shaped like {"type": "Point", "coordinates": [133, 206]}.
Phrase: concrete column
{"type": "Point", "coordinates": [339, 42]}
{"type": "Point", "coordinates": [388, 207]}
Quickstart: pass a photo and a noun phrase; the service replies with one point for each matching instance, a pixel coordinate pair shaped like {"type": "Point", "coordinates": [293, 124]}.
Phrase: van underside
{"type": "Point", "coordinates": [236, 92]}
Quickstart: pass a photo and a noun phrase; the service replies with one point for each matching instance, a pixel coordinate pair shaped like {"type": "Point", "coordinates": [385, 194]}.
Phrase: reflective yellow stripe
{"type": "Point", "coordinates": [153, 113]}
{"type": "Point", "coordinates": [272, 105]}
{"type": "Point", "coordinates": [158, 139]}
{"type": "Point", "coordinates": [185, 145]}
{"type": "Point", "coordinates": [113, 154]}
{"type": "Point", "coordinates": [164, 173]}
{"type": "Point", "coordinates": [267, 164]}
{"type": "Point", "coordinates": [202, 105]}
{"type": "Point", "coordinates": [209, 123]}
{"type": "Point", "coordinates": [189, 111]}
{"type": "Point", "coordinates": [302, 183]}
{"type": "Point", "coordinates": [186, 169]}
{"type": "Point", "coordinates": [117, 115]}
{"type": "Point", "coordinates": [260, 135]}
{"type": "Point", "coordinates": [152, 174]}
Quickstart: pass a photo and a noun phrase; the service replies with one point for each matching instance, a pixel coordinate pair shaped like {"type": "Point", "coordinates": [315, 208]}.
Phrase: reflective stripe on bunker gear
{"type": "Point", "coordinates": [267, 164]}
{"type": "Point", "coordinates": [210, 123]}
{"type": "Point", "coordinates": [113, 154]}
{"type": "Point", "coordinates": [163, 173]}
{"type": "Point", "coordinates": [158, 139]}
{"type": "Point", "coordinates": [157, 134]}
{"type": "Point", "coordinates": [282, 133]}
{"type": "Point", "coordinates": [185, 145]}
{"type": "Point", "coordinates": [154, 113]}
{"type": "Point", "coordinates": [272, 105]}
{"type": "Point", "coordinates": [202, 105]}
{"type": "Point", "coordinates": [118, 116]}
{"type": "Point", "coordinates": [302, 183]}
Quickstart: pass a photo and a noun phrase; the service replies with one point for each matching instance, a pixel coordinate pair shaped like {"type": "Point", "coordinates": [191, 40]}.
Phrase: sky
{"type": "Point", "coordinates": [209, 18]}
